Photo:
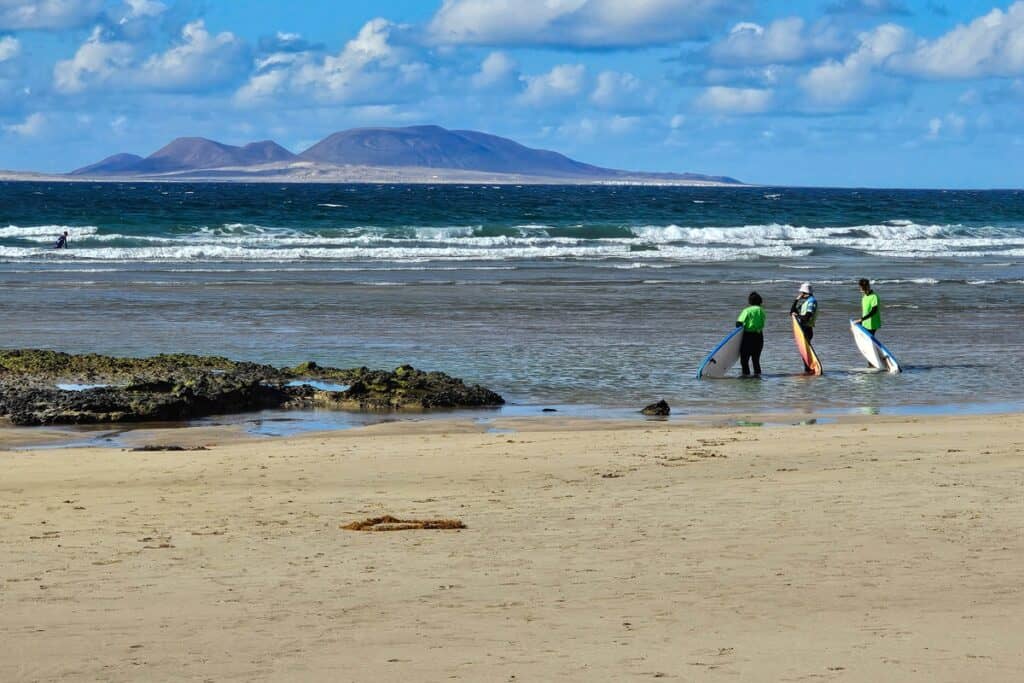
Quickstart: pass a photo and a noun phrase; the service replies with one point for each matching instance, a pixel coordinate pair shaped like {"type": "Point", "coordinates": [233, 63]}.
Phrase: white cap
{"type": "Point", "coordinates": [806, 288]}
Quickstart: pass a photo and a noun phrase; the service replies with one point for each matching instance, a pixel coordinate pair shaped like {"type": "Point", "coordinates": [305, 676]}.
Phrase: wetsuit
{"type": "Point", "coordinates": [62, 242]}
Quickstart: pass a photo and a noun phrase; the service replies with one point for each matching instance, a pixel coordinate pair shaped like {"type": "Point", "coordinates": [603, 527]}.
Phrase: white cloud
{"type": "Point", "coordinates": [621, 91]}
{"type": "Point", "coordinates": [991, 45]}
{"type": "Point", "coordinates": [200, 61]}
{"type": "Point", "coordinates": [370, 69]}
{"type": "Point", "coordinates": [563, 82]}
{"type": "Point", "coordinates": [145, 8]}
{"type": "Point", "coordinates": [95, 63]}
{"type": "Point", "coordinates": [573, 23]}
{"type": "Point", "coordinates": [588, 128]}
{"type": "Point", "coordinates": [9, 48]}
{"type": "Point", "coordinates": [47, 15]}
{"type": "Point", "coordinates": [952, 124]}
{"type": "Point", "coordinates": [31, 126]}
{"type": "Point", "coordinates": [783, 41]}
{"type": "Point", "coordinates": [496, 69]}
{"type": "Point", "coordinates": [838, 84]}
{"type": "Point", "coordinates": [727, 100]}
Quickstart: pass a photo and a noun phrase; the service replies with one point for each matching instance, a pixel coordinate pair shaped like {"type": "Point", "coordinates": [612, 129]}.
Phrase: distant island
{"type": "Point", "coordinates": [411, 154]}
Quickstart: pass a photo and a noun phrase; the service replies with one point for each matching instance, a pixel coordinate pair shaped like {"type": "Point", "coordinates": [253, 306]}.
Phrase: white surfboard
{"type": "Point", "coordinates": [723, 357]}
{"type": "Point", "coordinates": [873, 350]}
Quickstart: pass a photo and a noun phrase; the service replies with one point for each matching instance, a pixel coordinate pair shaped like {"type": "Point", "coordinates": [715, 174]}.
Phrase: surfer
{"type": "Point", "coordinates": [62, 241]}
{"type": "Point", "coordinates": [751, 319]}
{"type": "Point", "coordinates": [870, 308]}
{"type": "Point", "coordinates": [805, 308]}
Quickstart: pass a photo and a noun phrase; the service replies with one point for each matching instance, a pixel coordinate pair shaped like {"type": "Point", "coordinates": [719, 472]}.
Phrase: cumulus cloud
{"type": "Point", "coordinates": [838, 84]}
{"type": "Point", "coordinates": [33, 125]}
{"type": "Point", "coordinates": [47, 15]}
{"type": "Point", "coordinates": [496, 69]}
{"type": "Point", "coordinates": [784, 41]}
{"type": "Point", "coordinates": [10, 48]}
{"type": "Point", "coordinates": [283, 41]}
{"type": "Point", "coordinates": [95, 62]}
{"type": "Point", "coordinates": [951, 124]}
{"type": "Point", "coordinates": [726, 100]}
{"type": "Point", "coordinates": [574, 23]}
{"type": "Point", "coordinates": [621, 92]}
{"type": "Point", "coordinates": [562, 83]}
{"type": "Point", "coordinates": [991, 45]}
{"type": "Point", "coordinates": [198, 62]}
{"type": "Point", "coordinates": [370, 69]}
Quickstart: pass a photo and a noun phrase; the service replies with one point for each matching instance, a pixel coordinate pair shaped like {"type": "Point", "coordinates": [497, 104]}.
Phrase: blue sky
{"type": "Point", "coordinates": [899, 93]}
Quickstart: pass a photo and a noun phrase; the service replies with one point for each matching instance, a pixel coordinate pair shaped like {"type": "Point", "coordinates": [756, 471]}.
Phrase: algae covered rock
{"type": "Point", "coordinates": [180, 386]}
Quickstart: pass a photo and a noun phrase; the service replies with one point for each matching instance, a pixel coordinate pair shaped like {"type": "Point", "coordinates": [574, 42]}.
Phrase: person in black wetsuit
{"type": "Point", "coordinates": [62, 241]}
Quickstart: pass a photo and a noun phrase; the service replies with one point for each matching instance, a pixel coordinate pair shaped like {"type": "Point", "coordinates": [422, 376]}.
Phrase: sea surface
{"type": "Point", "coordinates": [595, 297]}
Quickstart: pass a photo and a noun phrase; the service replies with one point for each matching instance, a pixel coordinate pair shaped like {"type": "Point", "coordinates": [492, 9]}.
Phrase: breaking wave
{"type": "Point", "coordinates": [638, 244]}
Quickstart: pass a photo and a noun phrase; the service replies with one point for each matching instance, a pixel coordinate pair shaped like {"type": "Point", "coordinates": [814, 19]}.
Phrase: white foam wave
{"type": "Point", "coordinates": [392, 253]}
{"type": "Point", "coordinates": [49, 232]}
{"type": "Point", "coordinates": [641, 244]}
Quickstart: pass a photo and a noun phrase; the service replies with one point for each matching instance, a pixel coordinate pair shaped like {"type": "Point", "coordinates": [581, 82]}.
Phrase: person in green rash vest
{"type": "Point", "coordinates": [870, 308]}
{"type": "Point", "coordinates": [751, 319]}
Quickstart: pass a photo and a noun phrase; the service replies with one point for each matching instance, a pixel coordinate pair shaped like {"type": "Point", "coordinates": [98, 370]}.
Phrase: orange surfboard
{"type": "Point", "coordinates": [805, 348]}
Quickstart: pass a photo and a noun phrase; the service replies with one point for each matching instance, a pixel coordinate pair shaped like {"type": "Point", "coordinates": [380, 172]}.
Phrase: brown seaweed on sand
{"type": "Point", "coordinates": [389, 523]}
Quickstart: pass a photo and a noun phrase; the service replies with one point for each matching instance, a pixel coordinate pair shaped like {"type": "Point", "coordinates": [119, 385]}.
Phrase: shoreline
{"type": "Point", "coordinates": [276, 425]}
{"type": "Point", "coordinates": [19, 177]}
{"type": "Point", "coordinates": [868, 549]}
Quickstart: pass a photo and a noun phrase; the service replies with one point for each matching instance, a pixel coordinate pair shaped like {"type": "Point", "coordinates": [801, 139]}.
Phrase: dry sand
{"type": "Point", "coordinates": [866, 551]}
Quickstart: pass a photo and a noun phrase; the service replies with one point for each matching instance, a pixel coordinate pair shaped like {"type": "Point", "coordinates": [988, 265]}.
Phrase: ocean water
{"type": "Point", "coordinates": [599, 296]}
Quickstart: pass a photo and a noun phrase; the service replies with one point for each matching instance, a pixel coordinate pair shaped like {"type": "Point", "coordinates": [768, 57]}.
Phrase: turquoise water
{"type": "Point", "coordinates": [598, 296]}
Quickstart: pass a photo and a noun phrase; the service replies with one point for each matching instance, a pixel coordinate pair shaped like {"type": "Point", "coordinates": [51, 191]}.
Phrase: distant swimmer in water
{"type": "Point", "coordinates": [62, 241]}
{"type": "Point", "coordinates": [870, 308]}
{"type": "Point", "coordinates": [805, 308]}
{"type": "Point", "coordinates": [751, 319]}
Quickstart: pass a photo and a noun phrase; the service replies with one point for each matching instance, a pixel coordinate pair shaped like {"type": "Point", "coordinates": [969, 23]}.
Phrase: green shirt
{"type": "Point", "coordinates": [867, 302]}
{"type": "Point", "coordinates": [752, 318]}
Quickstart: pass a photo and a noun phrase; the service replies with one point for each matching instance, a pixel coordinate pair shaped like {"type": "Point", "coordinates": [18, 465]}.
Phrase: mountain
{"type": "Point", "coordinates": [436, 147]}
{"type": "Point", "coordinates": [186, 154]}
{"type": "Point", "coordinates": [413, 153]}
{"type": "Point", "coordinates": [119, 163]}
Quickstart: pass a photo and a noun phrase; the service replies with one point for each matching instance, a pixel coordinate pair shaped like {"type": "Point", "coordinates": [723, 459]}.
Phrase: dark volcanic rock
{"type": "Point", "coordinates": [406, 388]}
{"type": "Point", "coordinates": [659, 409]}
{"type": "Point", "coordinates": [178, 387]}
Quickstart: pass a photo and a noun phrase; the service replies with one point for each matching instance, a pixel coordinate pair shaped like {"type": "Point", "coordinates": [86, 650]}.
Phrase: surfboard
{"type": "Point", "coordinates": [723, 357]}
{"type": "Point", "coordinates": [873, 350]}
{"type": "Point", "coordinates": [803, 346]}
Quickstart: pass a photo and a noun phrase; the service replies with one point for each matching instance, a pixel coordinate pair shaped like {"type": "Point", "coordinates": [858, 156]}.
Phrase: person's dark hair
{"type": "Point", "coordinates": [754, 299]}
{"type": "Point", "coordinates": [864, 283]}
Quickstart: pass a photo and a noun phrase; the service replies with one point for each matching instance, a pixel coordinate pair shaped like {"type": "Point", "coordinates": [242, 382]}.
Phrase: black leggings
{"type": "Point", "coordinates": [809, 335]}
{"type": "Point", "coordinates": [750, 350]}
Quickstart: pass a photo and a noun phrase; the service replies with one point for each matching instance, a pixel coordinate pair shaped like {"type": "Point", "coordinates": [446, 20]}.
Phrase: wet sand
{"type": "Point", "coordinates": [871, 549]}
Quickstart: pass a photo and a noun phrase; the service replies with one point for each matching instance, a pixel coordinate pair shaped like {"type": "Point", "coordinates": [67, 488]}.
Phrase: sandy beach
{"type": "Point", "coordinates": [881, 549]}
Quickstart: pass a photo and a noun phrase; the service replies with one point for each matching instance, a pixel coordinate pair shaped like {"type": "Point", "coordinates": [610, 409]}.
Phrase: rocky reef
{"type": "Point", "coordinates": [39, 387]}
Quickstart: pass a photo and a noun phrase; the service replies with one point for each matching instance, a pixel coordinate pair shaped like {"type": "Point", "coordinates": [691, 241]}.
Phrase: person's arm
{"type": "Point", "coordinates": [795, 308]}
{"type": "Point", "coordinates": [874, 309]}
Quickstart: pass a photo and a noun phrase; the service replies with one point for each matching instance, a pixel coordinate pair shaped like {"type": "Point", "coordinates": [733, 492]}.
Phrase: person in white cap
{"type": "Point", "coordinates": [805, 308]}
